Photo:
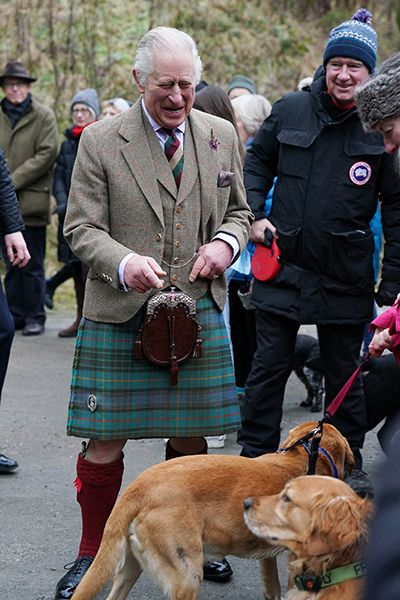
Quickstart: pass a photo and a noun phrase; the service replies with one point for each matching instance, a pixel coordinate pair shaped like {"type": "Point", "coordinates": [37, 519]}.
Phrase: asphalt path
{"type": "Point", "coordinates": [40, 517]}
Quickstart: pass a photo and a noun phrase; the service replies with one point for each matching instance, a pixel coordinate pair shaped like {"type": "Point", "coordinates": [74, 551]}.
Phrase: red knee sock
{"type": "Point", "coordinates": [171, 452]}
{"type": "Point", "coordinates": [98, 486]}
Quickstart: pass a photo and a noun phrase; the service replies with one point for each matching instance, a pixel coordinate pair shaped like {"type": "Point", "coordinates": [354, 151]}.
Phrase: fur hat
{"type": "Point", "coordinates": [241, 81]}
{"type": "Point", "coordinates": [354, 39]}
{"type": "Point", "coordinates": [379, 97]}
{"type": "Point", "coordinates": [89, 97]}
{"type": "Point", "coordinates": [16, 70]}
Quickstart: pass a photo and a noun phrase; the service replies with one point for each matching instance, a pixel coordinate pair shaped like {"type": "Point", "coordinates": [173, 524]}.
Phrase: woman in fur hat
{"type": "Point", "coordinates": [378, 103]}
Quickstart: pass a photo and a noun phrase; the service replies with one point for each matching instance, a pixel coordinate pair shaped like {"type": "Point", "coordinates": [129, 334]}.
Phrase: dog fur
{"type": "Point", "coordinates": [178, 514]}
{"type": "Point", "coordinates": [322, 522]}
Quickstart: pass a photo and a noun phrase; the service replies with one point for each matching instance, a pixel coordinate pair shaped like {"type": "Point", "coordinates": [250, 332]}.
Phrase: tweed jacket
{"type": "Point", "coordinates": [123, 199]}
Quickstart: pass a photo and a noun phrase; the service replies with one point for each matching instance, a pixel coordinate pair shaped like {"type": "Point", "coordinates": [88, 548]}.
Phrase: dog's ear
{"type": "Point", "coordinates": [336, 524]}
{"type": "Point", "coordinates": [339, 449]}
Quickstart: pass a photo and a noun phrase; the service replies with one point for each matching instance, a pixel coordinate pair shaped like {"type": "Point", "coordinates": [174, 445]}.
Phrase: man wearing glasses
{"type": "Point", "coordinates": [28, 136]}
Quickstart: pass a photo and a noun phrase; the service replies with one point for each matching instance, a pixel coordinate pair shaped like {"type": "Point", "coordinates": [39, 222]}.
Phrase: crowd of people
{"type": "Point", "coordinates": [208, 173]}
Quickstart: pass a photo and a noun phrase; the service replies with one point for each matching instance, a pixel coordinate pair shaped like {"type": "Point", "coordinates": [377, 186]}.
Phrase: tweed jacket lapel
{"type": "Point", "coordinates": [162, 169]}
{"type": "Point", "coordinates": [139, 157]}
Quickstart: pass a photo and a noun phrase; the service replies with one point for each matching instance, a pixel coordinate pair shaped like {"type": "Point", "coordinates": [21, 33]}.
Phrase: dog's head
{"type": "Point", "coordinates": [332, 441]}
{"type": "Point", "coordinates": [313, 516]}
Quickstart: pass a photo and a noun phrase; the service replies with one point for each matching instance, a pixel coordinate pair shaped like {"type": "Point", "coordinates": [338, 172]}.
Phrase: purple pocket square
{"type": "Point", "coordinates": [225, 178]}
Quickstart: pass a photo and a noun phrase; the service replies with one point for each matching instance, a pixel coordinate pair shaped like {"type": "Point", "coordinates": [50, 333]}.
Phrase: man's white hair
{"type": "Point", "coordinates": [251, 110]}
{"type": "Point", "coordinates": [162, 40]}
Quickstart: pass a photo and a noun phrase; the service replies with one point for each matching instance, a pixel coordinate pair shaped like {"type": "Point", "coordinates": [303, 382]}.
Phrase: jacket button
{"type": "Point", "coordinates": [176, 260]}
{"type": "Point", "coordinates": [178, 226]}
{"type": "Point", "coordinates": [174, 277]}
{"type": "Point", "coordinates": [158, 237]}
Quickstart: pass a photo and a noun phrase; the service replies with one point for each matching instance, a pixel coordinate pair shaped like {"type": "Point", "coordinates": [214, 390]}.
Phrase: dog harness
{"type": "Point", "coordinates": [310, 442]}
{"type": "Point", "coordinates": [310, 582]}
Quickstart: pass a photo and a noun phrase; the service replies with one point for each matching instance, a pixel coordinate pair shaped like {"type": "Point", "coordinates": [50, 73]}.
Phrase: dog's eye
{"type": "Point", "coordinates": [285, 498]}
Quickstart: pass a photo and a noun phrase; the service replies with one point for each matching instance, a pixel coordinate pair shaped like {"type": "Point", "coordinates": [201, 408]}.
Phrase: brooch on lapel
{"type": "Point", "coordinates": [213, 143]}
{"type": "Point", "coordinates": [225, 178]}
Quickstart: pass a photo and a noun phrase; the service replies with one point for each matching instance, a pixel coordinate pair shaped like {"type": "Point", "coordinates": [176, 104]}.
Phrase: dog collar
{"type": "Point", "coordinates": [310, 582]}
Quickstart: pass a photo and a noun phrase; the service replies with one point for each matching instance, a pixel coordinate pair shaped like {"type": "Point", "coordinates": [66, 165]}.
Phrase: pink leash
{"type": "Point", "coordinates": [342, 393]}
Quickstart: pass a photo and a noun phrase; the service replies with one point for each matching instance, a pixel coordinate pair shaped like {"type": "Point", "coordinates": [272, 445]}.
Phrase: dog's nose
{"type": "Point", "coordinates": [248, 503]}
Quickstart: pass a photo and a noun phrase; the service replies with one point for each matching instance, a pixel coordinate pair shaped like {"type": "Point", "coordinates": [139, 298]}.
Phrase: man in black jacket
{"type": "Point", "coordinates": [330, 174]}
{"type": "Point", "coordinates": [11, 224]}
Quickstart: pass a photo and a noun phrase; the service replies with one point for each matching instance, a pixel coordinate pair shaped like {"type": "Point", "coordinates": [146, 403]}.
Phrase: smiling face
{"type": "Point", "coordinates": [343, 75]}
{"type": "Point", "coordinates": [170, 89]}
{"type": "Point", "coordinates": [390, 129]}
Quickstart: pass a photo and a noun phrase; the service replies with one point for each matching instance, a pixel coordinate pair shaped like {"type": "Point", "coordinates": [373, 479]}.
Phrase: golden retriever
{"type": "Point", "coordinates": [178, 514]}
{"type": "Point", "coordinates": [324, 524]}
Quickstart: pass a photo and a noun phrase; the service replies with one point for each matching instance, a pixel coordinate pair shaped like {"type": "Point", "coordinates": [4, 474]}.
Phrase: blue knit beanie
{"type": "Point", "coordinates": [354, 39]}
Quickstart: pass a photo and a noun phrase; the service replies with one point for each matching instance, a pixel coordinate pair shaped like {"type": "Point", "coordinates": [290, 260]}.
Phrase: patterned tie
{"type": "Point", "coordinates": [174, 153]}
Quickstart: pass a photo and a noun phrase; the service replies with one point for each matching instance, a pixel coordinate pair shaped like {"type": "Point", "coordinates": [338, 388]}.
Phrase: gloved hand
{"type": "Point", "coordinates": [386, 294]}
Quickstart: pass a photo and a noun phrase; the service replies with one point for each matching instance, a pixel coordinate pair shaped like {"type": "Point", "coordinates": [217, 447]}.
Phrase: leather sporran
{"type": "Point", "coordinates": [170, 332]}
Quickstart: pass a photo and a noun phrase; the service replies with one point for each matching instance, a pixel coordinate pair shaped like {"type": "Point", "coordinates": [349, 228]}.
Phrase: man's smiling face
{"type": "Point", "coordinates": [170, 89]}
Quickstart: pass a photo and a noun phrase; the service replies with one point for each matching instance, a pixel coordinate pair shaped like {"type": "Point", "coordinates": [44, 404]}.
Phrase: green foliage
{"type": "Point", "coordinates": [69, 44]}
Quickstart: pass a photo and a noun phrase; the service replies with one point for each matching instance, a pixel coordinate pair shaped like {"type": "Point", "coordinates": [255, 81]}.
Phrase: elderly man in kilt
{"type": "Point", "coordinates": [145, 216]}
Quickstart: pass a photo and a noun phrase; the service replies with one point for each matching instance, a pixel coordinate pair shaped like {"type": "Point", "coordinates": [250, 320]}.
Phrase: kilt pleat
{"type": "Point", "coordinates": [114, 396]}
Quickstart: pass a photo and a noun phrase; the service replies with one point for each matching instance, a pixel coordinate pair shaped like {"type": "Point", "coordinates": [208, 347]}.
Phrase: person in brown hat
{"type": "Point", "coordinates": [28, 135]}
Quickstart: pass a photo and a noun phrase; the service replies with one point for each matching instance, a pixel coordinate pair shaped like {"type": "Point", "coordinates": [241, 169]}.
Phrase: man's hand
{"type": "Point", "coordinates": [258, 228]}
{"type": "Point", "coordinates": [212, 260]}
{"type": "Point", "coordinates": [17, 251]}
{"type": "Point", "coordinates": [142, 273]}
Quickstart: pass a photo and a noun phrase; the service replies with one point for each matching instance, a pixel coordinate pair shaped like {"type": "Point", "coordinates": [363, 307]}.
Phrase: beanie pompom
{"type": "Point", "coordinates": [363, 15]}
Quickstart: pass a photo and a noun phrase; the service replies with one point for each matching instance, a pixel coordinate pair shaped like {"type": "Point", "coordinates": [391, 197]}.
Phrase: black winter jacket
{"type": "Point", "coordinates": [10, 214]}
{"type": "Point", "coordinates": [61, 186]}
{"type": "Point", "coordinates": [330, 176]}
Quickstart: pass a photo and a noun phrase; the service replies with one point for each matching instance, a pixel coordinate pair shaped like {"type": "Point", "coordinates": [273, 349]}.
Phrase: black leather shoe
{"type": "Point", "coordinates": [33, 329]}
{"type": "Point", "coordinates": [7, 465]}
{"type": "Point", "coordinates": [361, 483]}
{"type": "Point", "coordinates": [68, 584]}
{"type": "Point", "coordinates": [219, 571]}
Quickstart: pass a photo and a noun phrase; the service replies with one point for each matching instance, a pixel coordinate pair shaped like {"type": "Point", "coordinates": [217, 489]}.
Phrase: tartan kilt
{"type": "Point", "coordinates": [114, 396]}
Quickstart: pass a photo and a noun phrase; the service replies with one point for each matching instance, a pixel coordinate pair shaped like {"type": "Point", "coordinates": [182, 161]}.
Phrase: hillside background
{"type": "Point", "coordinates": [69, 44]}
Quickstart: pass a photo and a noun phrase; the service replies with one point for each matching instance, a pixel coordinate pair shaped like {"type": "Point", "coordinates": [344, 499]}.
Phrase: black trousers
{"type": "Point", "coordinates": [25, 287]}
{"type": "Point", "coordinates": [243, 334]}
{"type": "Point", "coordinates": [272, 364]}
{"type": "Point", "coordinates": [6, 336]}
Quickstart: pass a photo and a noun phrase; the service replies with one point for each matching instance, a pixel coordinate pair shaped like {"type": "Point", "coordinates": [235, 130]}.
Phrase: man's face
{"type": "Point", "coordinates": [343, 75]}
{"type": "Point", "coordinates": [390, 129]}
{"type": "Point", "coordinates": [170, 89]}
{"type": "Point", "coordinates": [16, 90]}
